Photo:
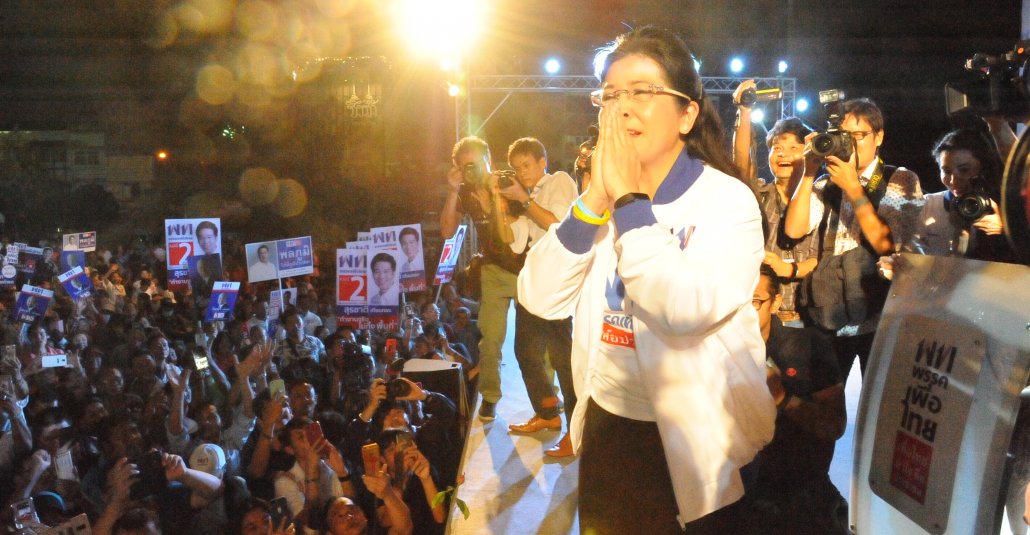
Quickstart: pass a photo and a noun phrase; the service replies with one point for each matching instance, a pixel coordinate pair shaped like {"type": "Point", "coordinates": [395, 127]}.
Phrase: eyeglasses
{"type": "Point", "coordinates": [759, 303]}
{"type": "Point", "coordinates": [859, 135]}
{"type": "Point", "coordinates": [638, 94]}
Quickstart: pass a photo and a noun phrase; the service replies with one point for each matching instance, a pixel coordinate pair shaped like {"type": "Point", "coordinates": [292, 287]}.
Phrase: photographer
{"type": "Point", "coordinates": [401, 403]}
{"type": "Point", "coordinates": [471, 191]}
{"type": "Point", "coordinates": [965, 219]}
{"type": "Point", "coordinates": [861, 210]}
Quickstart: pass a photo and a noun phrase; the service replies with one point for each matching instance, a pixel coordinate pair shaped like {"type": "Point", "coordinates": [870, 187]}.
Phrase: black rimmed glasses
{"type": "Point", "coordinates": [601, 98]}
{"type": "Point", "coordinates": [859, 135]}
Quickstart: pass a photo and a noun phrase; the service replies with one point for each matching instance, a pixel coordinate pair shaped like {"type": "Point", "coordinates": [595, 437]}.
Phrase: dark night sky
{"type": "Point", "coordinates": [71, 64]}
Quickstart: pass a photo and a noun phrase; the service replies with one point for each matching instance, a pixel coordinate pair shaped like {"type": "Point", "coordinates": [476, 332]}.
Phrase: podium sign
{"type": "Point", "coordinates": [940, 397]}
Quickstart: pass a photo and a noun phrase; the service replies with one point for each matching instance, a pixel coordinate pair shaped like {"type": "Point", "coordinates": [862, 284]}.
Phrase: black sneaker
{"type": "Point", "coordinates": [487, 411]}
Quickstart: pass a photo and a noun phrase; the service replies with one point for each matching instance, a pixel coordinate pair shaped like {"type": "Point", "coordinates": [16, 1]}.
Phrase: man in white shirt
{"type": "Point", "coordinates": [545, 199]}
{"type": "Point", "coordinates": [412, 247]}
{"type": "Point", "coordinates": [263, 269]}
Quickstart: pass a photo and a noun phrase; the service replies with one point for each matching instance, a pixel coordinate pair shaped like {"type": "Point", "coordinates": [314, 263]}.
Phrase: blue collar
{"type": "Point", "coordinates": [948, 199]}
{"type": "Point", "coordinates": [681, 177]}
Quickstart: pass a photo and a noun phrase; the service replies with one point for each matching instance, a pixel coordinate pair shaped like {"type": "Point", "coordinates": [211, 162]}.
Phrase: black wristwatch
{"type": "Point", "coordinates": [631, 198]}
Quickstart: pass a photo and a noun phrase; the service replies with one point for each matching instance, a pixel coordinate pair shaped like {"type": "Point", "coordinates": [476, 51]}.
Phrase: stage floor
{"type": "Point", "coordinates": [511, 487]}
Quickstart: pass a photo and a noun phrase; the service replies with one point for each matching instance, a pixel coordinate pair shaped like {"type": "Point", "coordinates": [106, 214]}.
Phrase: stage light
{"type": "Point", "coordinates": [757, 115]}
{"type": "Point", "coordinates": [552, 66]}
{"type": "Point", "coordinates": [453, 90]}
{"type": "Point", "coordinates": [736, 65]}
{"type": "Point", "coordinates": [801, 105]}
{"type": "Point", "coordinates": [162, 155]}
{"type": "Point", "coordinates": [781, 66]}
{"type": "Point", "coordinates": [441, 29]}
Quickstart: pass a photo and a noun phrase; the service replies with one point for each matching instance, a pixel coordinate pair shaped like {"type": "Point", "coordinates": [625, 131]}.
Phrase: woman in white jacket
{"type": "Point", "coordinates": [657, 260]}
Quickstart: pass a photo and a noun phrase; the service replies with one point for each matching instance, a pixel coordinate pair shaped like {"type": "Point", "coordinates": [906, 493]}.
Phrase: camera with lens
{"type": "Point", "coordinates": [995, 85]}
{"type": "Point", "coordinates": [473, 174]}
{"type": "Point", "coordinates": [358, 366]}
{"type": "Point", "coordinates": [835, 141]}
{"type": "Point", "coordinates": [397, 388]}
{"type": "Point", "coordinates": [505, 178]}
{"type": "Point", "coordinates": [976, 203]}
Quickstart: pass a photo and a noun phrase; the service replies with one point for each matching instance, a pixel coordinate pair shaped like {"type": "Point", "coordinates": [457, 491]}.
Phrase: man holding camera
{"type": "Point", "coordinates": [539, 199]}
{"type": "Point", "coordinates": [863, 205]}
{"type": "Point", "coordinates": [544, 199]}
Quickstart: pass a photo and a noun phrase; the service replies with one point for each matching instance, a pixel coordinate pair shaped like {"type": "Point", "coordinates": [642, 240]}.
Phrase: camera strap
{"type": "Point", "coordinates": [875, 190]}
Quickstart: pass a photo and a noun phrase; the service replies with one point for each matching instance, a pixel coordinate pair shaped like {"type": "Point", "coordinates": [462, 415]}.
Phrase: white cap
{"type": "Point", "coordinates": [208, 458]}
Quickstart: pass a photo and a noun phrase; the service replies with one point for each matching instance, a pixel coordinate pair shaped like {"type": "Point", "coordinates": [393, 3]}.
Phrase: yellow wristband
{"type": "Point", "coordinates": [586, 218]}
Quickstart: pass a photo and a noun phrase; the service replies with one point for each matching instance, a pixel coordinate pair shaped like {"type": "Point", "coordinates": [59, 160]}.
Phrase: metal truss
{"type": "Point", "coordinates": [511, 84]}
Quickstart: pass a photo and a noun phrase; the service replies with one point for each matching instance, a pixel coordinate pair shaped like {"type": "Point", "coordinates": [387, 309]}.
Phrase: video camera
{"type": "Point", "coordinates": [835, 141]}
{"type": "Point", "coordinates": [998, 85]}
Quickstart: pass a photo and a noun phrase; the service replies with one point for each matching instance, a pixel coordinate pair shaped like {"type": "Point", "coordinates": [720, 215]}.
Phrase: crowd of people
{"type": "Point", "coordinates": [668, 280]}
{"type": "Point", "coordinates": [160, 422]}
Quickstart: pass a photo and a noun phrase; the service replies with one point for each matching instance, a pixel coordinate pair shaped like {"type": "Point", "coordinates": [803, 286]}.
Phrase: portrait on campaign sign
{"type": "Point", "coordinates": [29, 258]}
{"type": "Point", "coordinates": [203, 272]}
{"type": "Point", "coordinates": [184, 239]}
{"type": "Point", "coordinates": [384, 289]}
{"type": "Point", "coordinates": [32, 303]}
{"type": "Point", "coordinates": [262, 262]}
{"type": "Point", "coordinates": [72, 259]}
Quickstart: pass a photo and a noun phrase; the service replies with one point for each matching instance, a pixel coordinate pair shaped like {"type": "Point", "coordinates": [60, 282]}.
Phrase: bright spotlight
{"type": "Point", "coordinates": [441, 29]}
{"type": "Point", "coordinates": [736, 65]}
{"type": "Point", "coordinates": [801, 105]}
{"type": "Point", "coordinates": [552, 66]}
{"type": "Point", "coordinates": [781, 66]}
{"type": "Point", "coordinates": [757, 115]}
{"type": "Point", "coordinates": [162, 155]}
{"type": "Point", "coordinates": [453, 90]}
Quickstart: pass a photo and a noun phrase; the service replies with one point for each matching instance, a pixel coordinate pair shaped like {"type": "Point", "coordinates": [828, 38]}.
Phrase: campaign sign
{"type": "Point", "coordinates": [184, 239]}
{"type": "Point", "coordinates": [79, 241]}
{"type": "Point", "coordinates": [449, 257]}
{"type": "Point", "coordinates": [8, 274]}
{"type": "Point", "coordinates": [262, 261]}
{"type": "Point", "coordinates": [295, 257]}
{"type": "Point", "coordinates": [223, 300]}
{"type": "Point", "coordinates": [12, 253]}
{"type": "Point", "coordinates": [358, 244]}
{"type": "Point", "coordinates": [352, 288]}
{"type": "Point", "coordinates": [204, 270]}
{"type": "Point", "coordinates": [77, 283]}
{"type": "Point", "coordinates": [384, 290]}
{"type": "Point", "coordinates": [364, 236]}
{"type": "Point", "coordinates": [28, 257]}
{"type": "Point", "coordinates": [72, 259]}
{"type": "Point", "coordinates": [411, 267]}
{"type": "Point", "coordinates": [32, 303]}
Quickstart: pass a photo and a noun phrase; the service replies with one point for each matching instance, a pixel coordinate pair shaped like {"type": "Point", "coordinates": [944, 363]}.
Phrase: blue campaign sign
{"type": "Point", "coordinates": [223, 300]}
{"type": "Point", "coordinates": [32, 303]}
{"type": "Point", "coordinates": [77, 283]}
{"type": "Point", "coordinates": [295, 256]}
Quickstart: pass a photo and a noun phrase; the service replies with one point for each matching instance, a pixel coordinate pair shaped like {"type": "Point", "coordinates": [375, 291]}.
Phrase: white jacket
{"type": "Point", "coordinates": [697, 337]}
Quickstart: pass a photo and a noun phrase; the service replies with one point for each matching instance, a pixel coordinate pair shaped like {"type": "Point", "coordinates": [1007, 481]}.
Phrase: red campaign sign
{"type": "Point", "coordinates": [352, 288]}
{"type": "Point", "coordinates": [446, 255]}
{"type": "Point", "coordinates": [910, 468]}
{"type": "Point", "coordinates": [178, 252]}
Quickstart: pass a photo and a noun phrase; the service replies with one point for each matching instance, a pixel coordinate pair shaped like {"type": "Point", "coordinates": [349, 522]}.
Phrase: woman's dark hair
{"type": "Point", "coordinates": [706, 140]}
{"type": "Point", "coordinates": [982, 147]}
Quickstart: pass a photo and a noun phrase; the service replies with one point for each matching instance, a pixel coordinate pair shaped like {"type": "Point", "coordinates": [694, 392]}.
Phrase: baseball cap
{"type": "Point", "coordinates": [208, 458]}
